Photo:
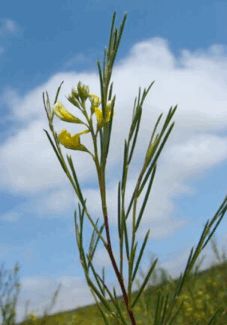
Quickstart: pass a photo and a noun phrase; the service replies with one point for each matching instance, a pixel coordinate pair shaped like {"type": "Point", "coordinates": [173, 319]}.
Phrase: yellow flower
{"type": "Point", "coordinates": [99, 116]}
{"type": "Point", "coordinates": [72, 141]}
{"type": "Point", "coordinates": [95, 101]}
{"type": "Point", "coordinates": [64, 115]}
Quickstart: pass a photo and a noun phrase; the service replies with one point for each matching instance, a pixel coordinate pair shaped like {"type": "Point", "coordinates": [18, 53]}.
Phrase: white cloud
{"type": "Point", "coordinates": [194, 80]}
{"type": "Point", "coordinates": [198, 153]}
{"type": "Point", "coordinates": [101, 259]}
{"type": "Point", "coordinates": [176, 261]}
{"type": "Point", "coordinates": [25, 163]}
{"type": "Point", "coordinates": [38, 292]}
{"type": "Point", "coordinates": [56, 202]}
{"type": "Point", "coordinates": [78, 59]}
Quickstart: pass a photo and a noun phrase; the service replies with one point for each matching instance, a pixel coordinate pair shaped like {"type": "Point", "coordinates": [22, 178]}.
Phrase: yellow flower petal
{"type": "Point", "coordinates": [99, 117]}
{"type": "Point", "coordinates": [71, 141]}
{"type": "Point", "coordinates": [65, 115]}
{"type": "Point", "coordinates": [108, 113]}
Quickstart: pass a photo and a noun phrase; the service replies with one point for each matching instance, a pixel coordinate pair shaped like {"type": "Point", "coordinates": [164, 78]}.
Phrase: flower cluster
{"type": "Point", "coordinates": [78, 97]}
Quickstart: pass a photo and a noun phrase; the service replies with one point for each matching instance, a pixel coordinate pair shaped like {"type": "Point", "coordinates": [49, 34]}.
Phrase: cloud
{"type": "Point", "coordinates": [53, 204]}
{"type": "Point", "coordinates": [7, 26]}
{"type": "Point", "coordinates": [176, 261]}
{"type": "Point", "coordinates": [80, 59]}
{"type": "Point", "coordinates": [196, 81]}
{"type": "Point", "coordinates": [38, 292]}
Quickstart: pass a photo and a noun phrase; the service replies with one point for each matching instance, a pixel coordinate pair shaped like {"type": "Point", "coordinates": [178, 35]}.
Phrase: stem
{"type": "Point", "coordinates": [120, 279]}
{"type": "Point", "coordinates": [131, 257]}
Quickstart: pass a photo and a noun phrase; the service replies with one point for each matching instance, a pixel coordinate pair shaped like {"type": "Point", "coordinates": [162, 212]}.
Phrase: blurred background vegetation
{"type": "Point", "coordinates": [204, 295]}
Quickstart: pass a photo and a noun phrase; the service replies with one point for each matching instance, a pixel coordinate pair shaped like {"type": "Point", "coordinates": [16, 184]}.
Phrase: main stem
{"type": "Point", "coordinates": [109, 247]}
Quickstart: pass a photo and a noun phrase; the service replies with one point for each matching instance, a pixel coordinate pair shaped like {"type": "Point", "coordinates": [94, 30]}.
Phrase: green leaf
{"type": "Point", "coordinates": [138, 294]}
{"type": "Point", "coordinates": [139, 218]}
{"type": "Point", "coordinates": [57, 93]}
{"type": "Point", "coordinates": [140, 254]}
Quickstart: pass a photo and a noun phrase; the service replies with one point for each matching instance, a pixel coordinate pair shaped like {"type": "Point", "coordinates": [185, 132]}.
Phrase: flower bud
{"type": "Point", "coordinates": [83, 91]}
{"type": "Point", "coordinates": [73, 100]}
{"type": "Point", "coordinates": [95, 100]}
{"type": "Point", "coordinates": [75, 93]}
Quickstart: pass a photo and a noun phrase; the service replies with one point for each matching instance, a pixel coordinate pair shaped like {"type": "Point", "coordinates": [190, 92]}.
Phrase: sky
{"type": "Point", "coordinates": [183, 47]}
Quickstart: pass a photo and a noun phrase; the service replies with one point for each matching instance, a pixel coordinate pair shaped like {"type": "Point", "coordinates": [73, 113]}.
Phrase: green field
{"type": "Point", "coordinates": [203, 295]}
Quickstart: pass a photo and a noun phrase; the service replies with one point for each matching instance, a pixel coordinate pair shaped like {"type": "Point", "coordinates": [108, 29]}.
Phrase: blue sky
{"type": "Point", "coordinates": [180, 44]}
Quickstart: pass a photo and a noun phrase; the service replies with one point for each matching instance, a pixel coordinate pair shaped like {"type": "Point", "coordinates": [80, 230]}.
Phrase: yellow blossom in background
{"type": "Point", "coordinates": [70, 141]}
{"type": "Point", "coordinates": [65, 115]}
{"type": "Point", "coordinates": [31, 317]}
